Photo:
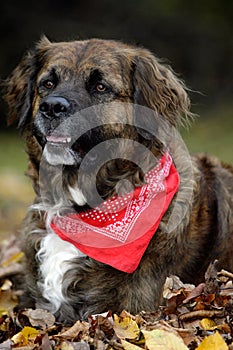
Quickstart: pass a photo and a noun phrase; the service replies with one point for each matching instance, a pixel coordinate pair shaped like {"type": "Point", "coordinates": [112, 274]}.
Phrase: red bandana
{"type": "Point", "coordinates": [118, 232]}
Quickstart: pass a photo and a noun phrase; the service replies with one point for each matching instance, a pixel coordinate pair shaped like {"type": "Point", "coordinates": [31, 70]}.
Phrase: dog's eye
{"type": "Point", "coordinates": [101, 87]}
{"type": "Point", "coordinates": [48, 84]}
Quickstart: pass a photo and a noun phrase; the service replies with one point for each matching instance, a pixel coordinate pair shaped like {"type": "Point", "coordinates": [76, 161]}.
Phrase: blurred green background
{"type": "Point", "coordinates": [195, 38]}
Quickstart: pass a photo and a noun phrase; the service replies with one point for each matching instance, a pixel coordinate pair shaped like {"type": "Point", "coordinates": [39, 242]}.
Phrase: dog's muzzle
{"type": "Point", "coordinates": [52, 131]}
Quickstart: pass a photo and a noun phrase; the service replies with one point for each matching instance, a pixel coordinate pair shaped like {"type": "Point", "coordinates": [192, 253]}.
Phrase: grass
{"type": "Point", "coordinates": [15, 190]}
{"type": "Point", "coordinates": [12, 152]}
{"type": "Point", "coordinates": [212, 133]}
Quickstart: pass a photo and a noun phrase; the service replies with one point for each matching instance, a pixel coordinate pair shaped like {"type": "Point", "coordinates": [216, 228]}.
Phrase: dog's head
{"type": "Point", "coordinates": [66, 99]}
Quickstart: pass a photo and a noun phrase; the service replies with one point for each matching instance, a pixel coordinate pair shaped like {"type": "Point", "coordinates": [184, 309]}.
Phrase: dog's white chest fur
{"type": "Point", "coordinates": [55, 256]}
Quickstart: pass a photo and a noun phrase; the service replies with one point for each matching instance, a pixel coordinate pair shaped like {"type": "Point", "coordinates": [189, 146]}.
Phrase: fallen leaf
{"type": "Point", "coordinates": [6, 345]}
{"type": "Point", "coordinates": [13, 259]}
{"type": "Point", "coordinates": [195, 293]}
{"type": "Point", "coordinates": [29, 332]}
{"type": "Point", "coordinates": [19, 339]}
{"type": "Point", "coordinates": [73, 332]}
{"type": "Point", "coordinates": [211, 281]}
{"type": "Point", "coordinates": [7, 284]}
{"type": "Point", "coordinates": [159, 339]}
{"type": "Point", "coordinates": [125, 313]}
{"type": "Point", "coordinates": [207, 324]}
{"type": "Point", "coordinates": [44, 342]}
{"type": "Point", "coordinates": [11, 270]}
{"type": "Point", "coordinates": [186, 334]}
{"type": "Point", "coordinates": [8, 300]}
{"type": "Point", "coordinates": [40, 318]}
{"type": "Point", "coordinates": [225, 273]}
{"type": "Point", "coordinates": [129, 346]}
{"type": "Point", "coordinates": [66, 346]}
{"type": "Point", "coordinates": [173, 287]}
{"type": "Point", "coordinates": [74, 346]}
{"type": "Point", "coordinates": [186, 310]}
{"type": "Point", "coordinates": [213, 342]}
{"type": "Point", "coordinates": [22, 338]}
{"type": "Point", "coordinates": [125, 328]}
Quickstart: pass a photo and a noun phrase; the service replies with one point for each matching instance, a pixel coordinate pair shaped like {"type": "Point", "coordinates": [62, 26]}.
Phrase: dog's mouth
{"type": "Point", "coordinates": [56, 140]}
{"type": "Point", "coordinates": [62, 150]}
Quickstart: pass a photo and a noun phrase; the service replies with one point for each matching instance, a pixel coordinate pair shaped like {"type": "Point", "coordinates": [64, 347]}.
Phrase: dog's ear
{"type": "Point", "coordinates": [20, 86]}
{"type": "Point", "coordinates": [20, 90]}
{"type": "Point", "coordinates": [157, 87]}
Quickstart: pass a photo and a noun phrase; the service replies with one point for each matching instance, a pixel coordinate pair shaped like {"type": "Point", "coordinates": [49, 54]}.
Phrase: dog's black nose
{"type": "Point", "coordinates": [54, 106]}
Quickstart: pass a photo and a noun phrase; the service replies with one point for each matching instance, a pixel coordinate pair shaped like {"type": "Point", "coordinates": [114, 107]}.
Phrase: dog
{"type": "Point", "coordinates": [100, 120]}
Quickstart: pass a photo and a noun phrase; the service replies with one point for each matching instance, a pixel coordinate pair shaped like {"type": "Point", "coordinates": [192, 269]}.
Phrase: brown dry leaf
{"type": "Point", "coordinates": [44, 342]}
{"type": "Point", "coordinates": [40, 318]}
{"type": "Point", "coordinates": [213, 342]}
{"type": "Point", "coordinates": [195, 292]}
{"type": "Point", "coordinates": [173, 287]}
{"type": "Point", "coordinates": [125, 313]}
{"type": "Point", "coordinates": [211, 281]}
{"type": "Point", "coordinates": [208, 311]}
{"type": "Point", "coordinates": [9, 248]}
{"type": "Point", "coordinates": [186, 334]}
{"type": "Point", "coordinates": [227, 289]}
{"type": "Point", "coordinates": [8, 300]}
{"type": "Point", "coordinates": [25, 336]}
{"type": "Point", "coordinates": [125, 328]}
{"type": "Point", "coordinates": [65, 345]}
{"type": "Point", "coordinates": [74, 331]}
{"type": "Point", "coordinates": [159, 339]}
{"type": "Point", "coordinates": [6, 345]}
{"type": "Point", "coordinates": [129, 346]}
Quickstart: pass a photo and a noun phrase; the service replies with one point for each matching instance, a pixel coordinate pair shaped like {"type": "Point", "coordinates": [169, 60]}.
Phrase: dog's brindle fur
{"type": "Point", "coordinates": [76, 71]}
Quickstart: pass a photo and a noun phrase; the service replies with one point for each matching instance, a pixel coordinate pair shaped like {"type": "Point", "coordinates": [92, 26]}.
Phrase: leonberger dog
{"type": "Point", "coordinates": [119, 204]}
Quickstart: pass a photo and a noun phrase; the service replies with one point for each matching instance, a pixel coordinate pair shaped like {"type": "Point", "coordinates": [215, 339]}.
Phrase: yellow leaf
{"type": "Point", "coordinates": [128, 346]}
{"type": "Point", "coordinates": [14, 258]}
{"type": "Point", "coordinates": [213, 342]}
{"type": "Point", "coordinates": [22, 338]}
{"type": "Point", "coordinates": [19, 339]}
{"type": "Point", "coordinates": [158, 339]}
{"type": "Point", "coordinates": [30, 333]}
{"type": "Point", "coordinates": [125, 328]}
{"type": "Point", "coordinates": [207, 324]}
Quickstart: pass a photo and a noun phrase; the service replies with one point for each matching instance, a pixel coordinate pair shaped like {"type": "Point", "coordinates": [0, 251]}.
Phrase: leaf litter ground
{"type": "Point", "coordinates": [191, 317]}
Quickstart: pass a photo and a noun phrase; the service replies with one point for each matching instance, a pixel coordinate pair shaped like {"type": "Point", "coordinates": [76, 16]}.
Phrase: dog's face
{"type": "Point", "coordinates": [77, 76]}
{"type": "Point", "coordinates": [48, 92]}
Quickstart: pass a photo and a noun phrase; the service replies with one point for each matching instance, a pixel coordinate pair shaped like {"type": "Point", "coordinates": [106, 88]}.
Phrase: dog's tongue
{"type": "Point", "coordinates": [58, 139]}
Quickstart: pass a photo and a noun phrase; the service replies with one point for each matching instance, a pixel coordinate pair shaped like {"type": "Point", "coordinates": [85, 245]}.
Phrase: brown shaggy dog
{"type": "Point", "coordinates": [52, 84]}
